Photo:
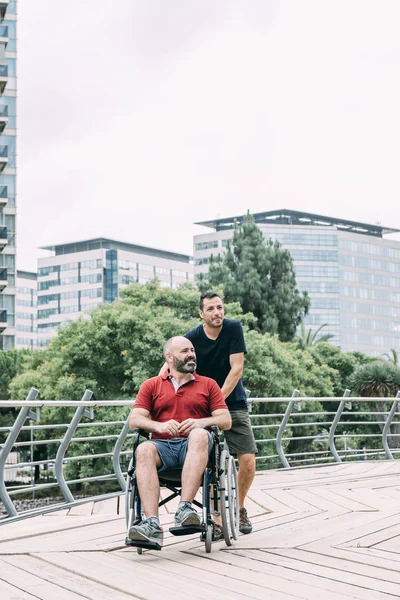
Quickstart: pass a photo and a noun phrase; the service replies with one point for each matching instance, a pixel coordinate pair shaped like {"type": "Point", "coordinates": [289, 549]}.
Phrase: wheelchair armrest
{"type": "Point", "coordinates": [137, 434]}
{"type": "Point", "coordinates": [142, 432]}
{"type": "Point", "coordinates": [215, 429]}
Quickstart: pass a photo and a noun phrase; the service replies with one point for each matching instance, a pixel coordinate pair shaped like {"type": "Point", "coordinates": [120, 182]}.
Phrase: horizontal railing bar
{"type": "Point", "coordinates": [103, 403]}
{"type": "Point", "coordinates": [57, 441]}
{"type": "Point", "coordinates": [42, 486]}
{"type": "Point", "coordinates": [64, 426]}
{"type": "Point", "coordinates": [51, 462]}
{"type": "Point", "coordinates": [63, 403]}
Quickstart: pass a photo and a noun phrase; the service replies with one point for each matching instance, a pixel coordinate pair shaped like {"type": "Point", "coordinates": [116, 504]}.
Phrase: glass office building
{"type": "Point", "coordinates": [8, 93]}
{"type": "Point", "coordinates": [350, 270]}
{"type": "Point", "coordinates": [26, 310]}
{"type": "Point", "coordinates": [77, 277]}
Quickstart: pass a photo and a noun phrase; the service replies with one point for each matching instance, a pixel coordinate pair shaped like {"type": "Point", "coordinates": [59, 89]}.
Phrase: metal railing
{"type": "Point", "coordinates": [57, 477]}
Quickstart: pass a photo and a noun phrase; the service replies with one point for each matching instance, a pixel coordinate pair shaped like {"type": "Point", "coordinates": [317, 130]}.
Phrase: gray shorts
{"type": "Point", "coordinates": [240, 437]}
{"type": "Point", "coordinates": [173, 452]}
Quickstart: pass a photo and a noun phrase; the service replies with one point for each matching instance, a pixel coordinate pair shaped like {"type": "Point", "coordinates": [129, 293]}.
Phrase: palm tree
{"type": "Point", "coordinates": [306, 339]}
{"type": "Point", "coordinates": [394, 358]}
{"type": "Point", "coordinates": [378, 379]}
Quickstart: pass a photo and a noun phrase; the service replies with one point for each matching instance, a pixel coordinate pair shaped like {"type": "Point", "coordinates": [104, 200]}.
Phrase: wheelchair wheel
{"type": "Point", "coordinates": [223, 486]}
{"type": "Point", "coordinates": [233, 499]}
{"type": "Point", "coordinates": [208, 540]}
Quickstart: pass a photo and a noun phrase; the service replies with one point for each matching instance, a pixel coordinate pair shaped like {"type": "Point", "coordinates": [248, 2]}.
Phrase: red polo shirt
{"type": "Point", "coordinates": [196, 399]}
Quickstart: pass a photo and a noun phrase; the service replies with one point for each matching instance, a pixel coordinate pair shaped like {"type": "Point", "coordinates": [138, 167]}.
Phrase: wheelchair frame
{"type": "Point", "coordinates": [220, 476]}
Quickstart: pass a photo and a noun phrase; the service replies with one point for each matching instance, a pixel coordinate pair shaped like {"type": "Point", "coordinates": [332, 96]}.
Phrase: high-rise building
{"type": "Point", "coordinates": [8, 129]}
{"type": "Point", "coordinates": [26, 310]}
{"type": "Point", "coordinates": [79, 276]}
{"type": "Point", "coordinates": [351, 271]}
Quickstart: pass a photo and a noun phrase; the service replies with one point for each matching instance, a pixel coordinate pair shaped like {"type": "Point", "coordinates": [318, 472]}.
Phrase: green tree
{"type": "Point", "coordinates": [307, 338]}
{"type": "Point", "coordinates": [377, 379]}
{"type": "Point", "coordinates": [393, 356]}
{"type": "Point", "coordinates": [343, 363]}
{"type": "Point", "coordinates": [11, 363]}
{"type": "Point", "coordinates": [259, 275]}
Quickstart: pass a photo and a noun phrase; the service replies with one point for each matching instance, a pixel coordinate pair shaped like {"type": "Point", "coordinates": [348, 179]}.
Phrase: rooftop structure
{"type": "Point", "coordinates": [294, 217]}
{"type": "Point", "coordinates": [109, 244]}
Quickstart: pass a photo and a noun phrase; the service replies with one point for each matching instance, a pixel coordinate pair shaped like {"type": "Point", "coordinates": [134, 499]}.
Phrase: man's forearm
{"type": "Point", "coordinates": [221, 421]}
{"type": "Point", "coordinates": [231, 381]}
{"type": "Point", "coordinates": [142, 422]}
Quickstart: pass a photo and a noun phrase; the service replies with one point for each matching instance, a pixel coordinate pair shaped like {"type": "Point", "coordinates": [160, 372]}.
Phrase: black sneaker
{"type": "Point", "coordinates": [147, 531]}
{"type": "Point", "coordinates": [245, 525]}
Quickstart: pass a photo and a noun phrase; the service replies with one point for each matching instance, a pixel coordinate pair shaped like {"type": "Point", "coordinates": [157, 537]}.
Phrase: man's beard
{"type": "Point", "coordinates": [183, 366]}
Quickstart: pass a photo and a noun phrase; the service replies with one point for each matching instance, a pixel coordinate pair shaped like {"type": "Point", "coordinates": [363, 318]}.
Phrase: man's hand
{"type": "Point", "coordinates": [171, 427]}
{"type": "Point", "coordinates": [189, 424]}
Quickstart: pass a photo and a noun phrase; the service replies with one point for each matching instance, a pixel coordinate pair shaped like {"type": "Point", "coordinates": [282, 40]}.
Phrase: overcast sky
{"type": "Point", "coordinates": [138, 118]}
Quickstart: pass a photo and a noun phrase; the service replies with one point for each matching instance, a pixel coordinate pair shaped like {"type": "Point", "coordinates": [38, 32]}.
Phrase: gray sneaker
{"type": "Point", "coordinates": [147, 531]}
{"type": "Point", "coordinates": [186, 515]}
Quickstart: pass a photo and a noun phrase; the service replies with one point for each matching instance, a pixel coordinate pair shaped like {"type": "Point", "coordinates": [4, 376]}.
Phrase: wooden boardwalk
{"type": "Point", "coordinates": [331, 532]}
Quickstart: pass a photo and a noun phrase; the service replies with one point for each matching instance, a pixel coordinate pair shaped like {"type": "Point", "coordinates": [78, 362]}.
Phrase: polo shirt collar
{"type": "Point", "coordinates": [167, 375]}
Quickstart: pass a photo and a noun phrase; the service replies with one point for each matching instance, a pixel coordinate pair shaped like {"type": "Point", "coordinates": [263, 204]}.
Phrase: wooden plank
{"type": "Point", "coordinates": [290, 499]}
{"type": "Point", "coordinates": [225, 581]}
{"type": "Point", "coordinates": [353, 527]}
{"type": "Point", "coordinates": [129, 573]}
{"type": "Point", "coordinates": [376, 555]}
{"type": "Point", "coordinates": [379, 589]}
{"type": "Point", "coordinates": [82, 509]}
{"type": "Point", "coordinates": [71, 537]}
{"type": "Point", "coordinates": [346, 498]}
{"type": "Point", "coordinates": [371, 498]}
{"type": "Point", "coordinates": [306, 530]}
{"type": "Point", "coordinates": [288, 578]}
{"type": "Point", "coordinates": [341, 563]}
{"type": "Point", "coordinates": [65, 579]}
{"type": "Point", "coordinates": [375, 538]}
{"type": "Point", "coordinates": [363, 556]}
{"type": "Point", "coordinates": [10, 592]}
{"type": "Point", "coordinates": [36, 586]}
{"type": "Point", "coordinates": [322, 502]}
{"type": "Point", "coordinates": [268, 501]}
{"type": "Point", "coordinates": [36, 526]}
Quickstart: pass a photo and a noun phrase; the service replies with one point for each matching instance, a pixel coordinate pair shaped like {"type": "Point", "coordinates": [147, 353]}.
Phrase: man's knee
{"type": "Point", "coordinates": [198, 437]}
{"type": "Point", "coordinates": [147, 453]}
{"type": "Point", "coordinates": [247, 462]}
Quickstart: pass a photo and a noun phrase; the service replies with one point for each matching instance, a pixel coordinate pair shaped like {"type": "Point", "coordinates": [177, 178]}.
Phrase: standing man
{"type": "Point", "coordinates": [220, 350]}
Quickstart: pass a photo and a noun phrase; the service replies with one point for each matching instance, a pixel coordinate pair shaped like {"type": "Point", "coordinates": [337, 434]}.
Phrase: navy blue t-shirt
{"type": "Point", "coordinates": [213, 357]}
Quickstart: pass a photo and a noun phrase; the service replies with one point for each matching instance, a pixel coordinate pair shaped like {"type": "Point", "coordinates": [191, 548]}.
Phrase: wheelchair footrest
{"type": "Point", "coordinates": [187, 530]}
{"type": "Point", "coordinates": [142, 544]}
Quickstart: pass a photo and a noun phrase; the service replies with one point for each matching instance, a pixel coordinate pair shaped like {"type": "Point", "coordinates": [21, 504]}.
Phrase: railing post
{"type": "Point", "coordinates": [281, 429]}
{"type": "Point", "coordinates": [116, 455]}
{"type": "Point", "coordinates": [81, 411]}
{"type": "Point", "coordinates": [8, 445]}
{"type": "Point", "coordinates": [387, 425]}
{"type": "Point", "coordinates": [335, 422]}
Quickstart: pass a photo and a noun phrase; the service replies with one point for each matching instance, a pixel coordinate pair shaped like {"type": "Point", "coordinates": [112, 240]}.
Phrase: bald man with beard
{"type": "Point", "coordinates": [176, 407]}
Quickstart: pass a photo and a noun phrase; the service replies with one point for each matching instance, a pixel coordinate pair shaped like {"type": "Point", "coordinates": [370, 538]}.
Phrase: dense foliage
{"type": "Point", "coordinates": [121, 345]}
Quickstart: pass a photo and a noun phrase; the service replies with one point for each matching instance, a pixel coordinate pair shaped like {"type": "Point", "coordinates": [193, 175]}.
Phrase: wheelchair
{"type": "Point", "coordinates": [220, 478]}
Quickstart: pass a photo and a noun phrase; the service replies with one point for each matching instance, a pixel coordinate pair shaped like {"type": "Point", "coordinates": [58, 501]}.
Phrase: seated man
{"type": "Point", "coordinates": [175, 407]}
